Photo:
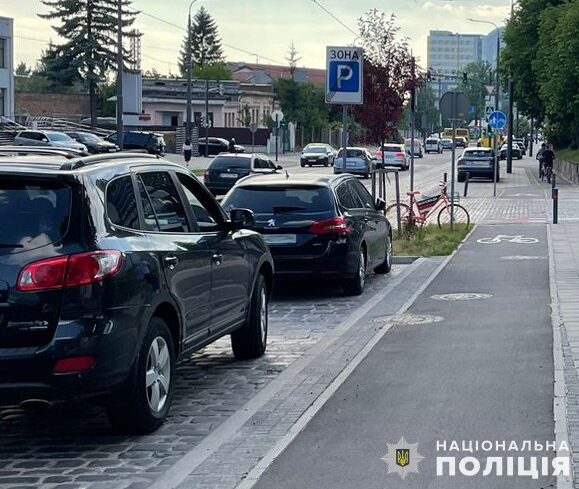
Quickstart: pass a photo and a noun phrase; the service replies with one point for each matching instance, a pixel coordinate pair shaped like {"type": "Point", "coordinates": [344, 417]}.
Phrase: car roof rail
{"type": "Point", "coordinates": [104, 158]}
{"type": "Point", "coordinates": [68, 153]}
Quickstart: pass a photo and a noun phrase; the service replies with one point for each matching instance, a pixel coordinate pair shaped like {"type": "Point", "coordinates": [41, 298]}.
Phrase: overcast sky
{"type": "Point", "coordinates": [265, 28]}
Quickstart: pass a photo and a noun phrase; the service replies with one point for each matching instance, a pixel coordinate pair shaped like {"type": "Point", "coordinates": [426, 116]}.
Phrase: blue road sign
{"type": "Point", "coordinates": [497, 120]}
{"type": "Point", "coordinates": [344, 78]}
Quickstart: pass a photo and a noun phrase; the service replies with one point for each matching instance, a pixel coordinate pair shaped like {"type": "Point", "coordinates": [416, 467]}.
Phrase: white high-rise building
{"type": "Point", "coordinates": [7, 67]}
{"type": "Point", "coordinates": [449, 53]}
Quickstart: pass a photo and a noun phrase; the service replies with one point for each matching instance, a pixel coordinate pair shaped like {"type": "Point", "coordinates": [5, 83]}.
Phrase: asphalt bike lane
{"type": "Point", "coordinates": [471, 360]}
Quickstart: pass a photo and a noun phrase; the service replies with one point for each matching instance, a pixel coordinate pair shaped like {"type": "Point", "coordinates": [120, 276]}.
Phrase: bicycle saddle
{"type": "Point", "coordinates": [413, 193]}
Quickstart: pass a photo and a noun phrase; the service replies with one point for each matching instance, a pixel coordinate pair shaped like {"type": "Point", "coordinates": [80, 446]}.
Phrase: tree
{"type": "Point", "coordinates": [206, 46]}
{"type": "Point", "coordinates": [387, 75]}
{"type": "Point", "coordinates": [522, 38]}
{"type": "Point", "coordinates": [478, 75]}
{"type": "Point", "coordinates": [23, 69]}
{"type": "Point", "coordinates": [59, 69]}
{"type": "Point", "coordinates": [213, 71]}
{"type": "Point", "coordinates": [293, 59]}
{"type": "Point", "coordinates": [244, 117]}
{"type": "Point", "coordinates": [89, 28]}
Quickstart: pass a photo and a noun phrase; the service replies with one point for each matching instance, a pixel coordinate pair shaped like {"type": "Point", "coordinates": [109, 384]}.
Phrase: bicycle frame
{"type": "Point", "coordinates": [417, 217]}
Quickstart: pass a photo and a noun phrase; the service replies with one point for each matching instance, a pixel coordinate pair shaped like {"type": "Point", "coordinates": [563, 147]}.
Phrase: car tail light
{"type": "Point", "coordinates": [399, 155]}
{"type": "Point", "coordinates": [337, 225]}
{"type": "Point", "coordinates": [379, 154]}
{"type": "Point", "coordinates": [70, 271]}
{"type": "Point", "coordinates": [74, 365]}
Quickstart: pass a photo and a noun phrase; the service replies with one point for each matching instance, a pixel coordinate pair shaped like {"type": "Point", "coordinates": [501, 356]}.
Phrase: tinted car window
{"type": "Point", "coordinates": [315, 149]}
{"type": "Point", "coordinates": [39, 212]}
{"type": "Point", "coordinates": [392, 149]}
{"type": "Point", "coordinates": [224, 162]}
{"type": "Point", "coordinates": [362, 193]}
{"type": "Point", "coordinates": [206, 215]}
{"type": "Point", "coordinates": [345, 198]}
{"type": "Point", "coordinates": [167, 209]}
{"type": "Point", "coordinates": [264, 200]}
{"type": "Point", "coordinates": [477, 154]}
{"type": "Point", "coordinates": [122, 204]}
{"type": "Point", "coordinates": [353, 153]}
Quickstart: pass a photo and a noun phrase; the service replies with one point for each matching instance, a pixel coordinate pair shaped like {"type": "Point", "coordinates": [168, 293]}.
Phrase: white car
{"type": "Point", "coordinates": [433, 145]}
{"type": "Point", "coordinates": [394, 155]}
{"type": "Point", "coordinates": [47, 138]}
{"type": "Point", "coordinates": [417, 147]}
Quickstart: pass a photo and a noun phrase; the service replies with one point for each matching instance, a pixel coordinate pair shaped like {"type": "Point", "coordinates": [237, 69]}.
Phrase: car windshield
{"type": "Point", "coordinates": [91, 138]}
{"type": "Point", "coordinates": [392, 149]}
{"type": "Point", "coordinates": [477, 153]}
{"type": "Point", "coordinates": [432, 141]}
{"type": "Point", "coordinates": [58, 136]}
{"type": "Point", "coordinates": [225, 162]}
{"type": "Point", "coordinates": [278, 200]}
{"type": "Point", "coordinates": [315, 149]}
{"type": "Point", "coordinates": [352, 153]}
{"type": "Point", "coordinates": [39, 210]}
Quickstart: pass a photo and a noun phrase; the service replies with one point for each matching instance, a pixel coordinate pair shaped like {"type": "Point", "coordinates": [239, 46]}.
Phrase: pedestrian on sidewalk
{"type": "Point", "coordinates": [187, 149]}
{"type": "Point", "coordinates": [232, 145]}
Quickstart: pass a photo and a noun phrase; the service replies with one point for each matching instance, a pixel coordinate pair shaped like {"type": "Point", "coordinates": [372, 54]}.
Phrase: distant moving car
{"type": "Point", "coordinates": [516, 152]}
{"type": "Point", "coordinates": [433, 145]}
{"type": "Point", "coordinates": [359, 161]}
{"type": "Point", "coordinates": [461, 142]}
{"type": "Point", "coordinates": [317, 154]}
{"type": "Point", "coordinates": [113, 270]}
{"type": "Point", "coordinates": [55, 139]}
{"type": "Point", "coordinates": [95, 144]}
{"type": "Point", "coordinates": [477, 162]}
{"type": "Point", "coordinates": [446, 143]}
{"type": "Point", "coordinates": [153, 143]}
{"type": "Point", "coordinates": [217, 145]}
{"type": "Point", "coordinates": [326, 227]}
{"type": "Point", "coordinates": [418, 150]}
{"type": "Point", "coordinates": [394, 155]}
{"type": "Point", "coordinates": [521, 143]}
{"type": "Point", "coordinates": [227, 168]}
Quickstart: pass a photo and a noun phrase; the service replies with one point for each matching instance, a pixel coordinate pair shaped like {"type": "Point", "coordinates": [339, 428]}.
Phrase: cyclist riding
{"type": "Point", "coordinates": [546, 158]}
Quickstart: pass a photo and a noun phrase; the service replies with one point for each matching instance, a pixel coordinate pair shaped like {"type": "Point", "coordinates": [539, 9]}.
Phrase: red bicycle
{"type": "Point", "coordinates": [418, 212]}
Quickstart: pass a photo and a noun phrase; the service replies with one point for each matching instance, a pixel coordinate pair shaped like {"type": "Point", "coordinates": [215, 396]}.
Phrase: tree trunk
{"type": "Point", "coordinates": [91, 70]}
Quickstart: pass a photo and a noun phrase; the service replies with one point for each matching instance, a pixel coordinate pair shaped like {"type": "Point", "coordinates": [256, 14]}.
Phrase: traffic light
{"type": "Point", "coordinates": [490, 131]}
{"type": "Point", "coordinates": [464, 77]}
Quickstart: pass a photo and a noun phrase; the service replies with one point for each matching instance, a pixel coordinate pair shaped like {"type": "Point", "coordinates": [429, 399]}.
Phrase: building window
{"type": "Point", "coordinates": [2, 102]}
{"type": "Point", "coordinates": [3, 54]}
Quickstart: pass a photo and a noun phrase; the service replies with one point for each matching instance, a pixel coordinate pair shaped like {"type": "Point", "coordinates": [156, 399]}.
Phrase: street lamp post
{"type": "Point", "coordinates": [497, 88]}
{"type": "Point", "coordinates": [189, 73]}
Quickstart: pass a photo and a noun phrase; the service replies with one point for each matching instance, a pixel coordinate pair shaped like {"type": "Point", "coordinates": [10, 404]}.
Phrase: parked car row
{"type": "Point", "coordinates": [117, 268]}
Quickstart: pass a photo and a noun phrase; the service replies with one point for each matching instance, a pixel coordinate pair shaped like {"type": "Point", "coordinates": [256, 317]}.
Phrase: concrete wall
{"type": "Point", "coordinates": [7, 71]}
{"type": "Point", "coordinates": [568, 170]}
{"type": "Point", "coordinates": [53, 104]}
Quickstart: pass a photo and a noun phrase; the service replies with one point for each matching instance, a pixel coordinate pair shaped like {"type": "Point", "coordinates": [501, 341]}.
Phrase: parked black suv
{"type": "Point", "coordinates": [152, 142]}
{"type": "Point", "coordinates": [114, 267]}
{"type": "Point", "coordinates": [318, 226]}
{"type": "Point", "coordinates": [95, 144]}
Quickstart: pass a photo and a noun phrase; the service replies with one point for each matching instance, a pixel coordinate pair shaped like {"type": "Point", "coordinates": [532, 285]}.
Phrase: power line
{"type": "Point", "coordinates": [335, 18]}
{"type": "Point", "coordinates": [164, 21]}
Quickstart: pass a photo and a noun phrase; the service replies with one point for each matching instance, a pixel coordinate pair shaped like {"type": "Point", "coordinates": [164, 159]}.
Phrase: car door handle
{"type": "Point", "coordinates": [171, 261]}
{"type": "Point", "coordinates": [217, 258]}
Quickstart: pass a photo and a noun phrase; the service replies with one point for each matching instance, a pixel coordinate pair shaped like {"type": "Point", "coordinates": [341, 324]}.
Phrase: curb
{"type": "Point", "coordinates": [560, 413]}
{"type": "Point", "coordinates": [404, 260]}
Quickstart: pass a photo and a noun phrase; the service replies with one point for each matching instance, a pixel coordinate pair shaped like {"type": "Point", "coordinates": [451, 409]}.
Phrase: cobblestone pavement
{"type": "Point", "coordinates": [70, 446]}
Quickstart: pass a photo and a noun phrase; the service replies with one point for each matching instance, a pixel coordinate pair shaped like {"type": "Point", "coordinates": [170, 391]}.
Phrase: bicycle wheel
{"type": "Point", "coordinates": [461, 217]}
{"type": "Point", "coordinates": [392, 214]}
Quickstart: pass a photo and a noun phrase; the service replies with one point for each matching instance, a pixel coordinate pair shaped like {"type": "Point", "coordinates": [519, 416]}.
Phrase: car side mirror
{"type": "Point", "coordinates": [380, 205]}
{"type": "Point", "coordinates": [279, 167]}
{"type": "Point", "coordinates": [241, 218]}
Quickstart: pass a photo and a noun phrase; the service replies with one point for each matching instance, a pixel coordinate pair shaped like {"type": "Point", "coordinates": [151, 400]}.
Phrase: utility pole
{"type": "Point", "coordinates": [120, 68]}
{"type": "Point", "coordinates": [189, 75]}
{"type": "Point", "coordinates": [206, 118]}
{"type": "Point", "coordinates": [510, 116]}
{"type": "Point", "coordinates": [412, 122]}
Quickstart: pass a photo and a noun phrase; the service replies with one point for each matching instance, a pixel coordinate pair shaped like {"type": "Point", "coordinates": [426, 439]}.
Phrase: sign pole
{"type": "Point", "coordinates": [344, 135]}
{"type": "Point", "coordinates": [276, 135]}
{"type": "Point", "coordinates": [412, 124]}
{"type": "Point", "coordinates": [452, 166]}
{"type": "Point", "coordinates": [496, 166]}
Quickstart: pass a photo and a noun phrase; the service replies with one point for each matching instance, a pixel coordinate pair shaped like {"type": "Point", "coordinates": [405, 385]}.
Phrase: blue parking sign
{"type": "Point", "coordinates": [344, 76]}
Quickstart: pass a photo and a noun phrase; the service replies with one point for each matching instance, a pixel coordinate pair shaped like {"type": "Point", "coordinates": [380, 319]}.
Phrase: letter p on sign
{"type": "Point", "coordinates": [344, 75]}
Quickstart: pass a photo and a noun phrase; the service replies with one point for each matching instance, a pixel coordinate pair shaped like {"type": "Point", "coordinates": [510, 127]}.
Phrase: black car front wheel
{"type": "Point", "coordinates": [355, 285]}
{"type": "Point", "coordinates": [250, 341]}
{"type": "Point", "coordinates": [142, 406]}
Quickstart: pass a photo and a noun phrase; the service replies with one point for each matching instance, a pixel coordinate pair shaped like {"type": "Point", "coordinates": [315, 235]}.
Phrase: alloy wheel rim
{"type": "Point", "coordinates": [158, 374]}
{"type": "Point", "coordinates": [263, 315]}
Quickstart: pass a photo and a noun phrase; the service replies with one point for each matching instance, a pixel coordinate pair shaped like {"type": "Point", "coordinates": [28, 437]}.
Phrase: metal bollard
{"type": "Point", "coordinates": [445, 178]}
{"type": "Point", "coordinates": [466, 184]}
{"type": "Point", "coordinates": [555, 206]}
{"type": "Point", "coordinates": [553, 185]}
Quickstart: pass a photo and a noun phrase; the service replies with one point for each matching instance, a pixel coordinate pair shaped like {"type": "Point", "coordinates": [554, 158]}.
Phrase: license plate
{"type": "Point", "coordinates": [280, 239]}
{"type": "Point", "coordinates": [312, 161]}
{"type": "Point", "coordinates": [229, 175]}
{"type": "Point", "coordinates": [479, 163]}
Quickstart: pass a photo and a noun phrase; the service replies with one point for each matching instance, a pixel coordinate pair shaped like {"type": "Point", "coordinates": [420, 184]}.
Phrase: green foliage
{"type": "Point", "coordinates": [478, 75]}
{"type": "Point", "coordinates": [303, 103]}
{"type": "Point", "coordinates": [429, 240]}
{"type": "Point", "coordinates": [213, 71]}
{"type": "Point", "coordinates": [244, 117]}
{"type": "Point", "coordinates": [206, 46]}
